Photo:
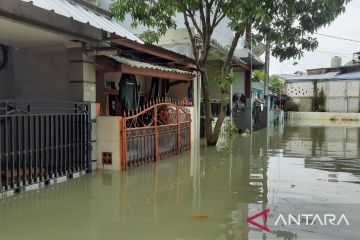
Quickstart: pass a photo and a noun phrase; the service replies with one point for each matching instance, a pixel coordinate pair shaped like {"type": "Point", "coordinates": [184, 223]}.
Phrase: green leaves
{"type": "Point", "coordinates": [156, 15]}
{"type": "Point", "coordinates": [276, 84]}
{"type": "Point", "coordinates": [224, 80]}
{"type": "Point", "coordinates": [285, 23]}
{"type": "Point", "coordinates": [149, 36]}
{"type": "Point", "coordinates": [291, 21]}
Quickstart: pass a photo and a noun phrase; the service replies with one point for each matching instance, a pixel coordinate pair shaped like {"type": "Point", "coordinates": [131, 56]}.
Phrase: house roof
{"type": "Point", "coordinates": [352, 67]}
{"type": "Point", "coordinates": [286, 76]}
{"type": "Point", "coordinates": [83, 14]}
{"type": "Point", "coordinates": [330, 76]}
{"type": "Point", "coordinates": [250, 58]}
{"type": "Point", "coordinates": [69, 18]}
{"type": "Point", "coordinates": [139, 64]}
{"type": "Point", "coordinates": [114, 63]}
{"type": "Point", "coordinates": [145, 50]}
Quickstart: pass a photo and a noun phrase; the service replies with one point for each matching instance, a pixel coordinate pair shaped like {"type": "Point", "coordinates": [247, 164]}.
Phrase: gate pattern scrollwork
{"type": "Point", "coordinates": [150, 133]}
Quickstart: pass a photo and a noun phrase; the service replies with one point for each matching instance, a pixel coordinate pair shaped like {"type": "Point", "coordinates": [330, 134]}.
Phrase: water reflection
{"type": "Point", "coordinates": [225, 185]}
{"type": "Point", "coordinates": [334, 149]}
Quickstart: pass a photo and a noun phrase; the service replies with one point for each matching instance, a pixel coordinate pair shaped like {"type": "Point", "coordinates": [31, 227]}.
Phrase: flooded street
{"type": "Point", "coordinates": [207, 193]}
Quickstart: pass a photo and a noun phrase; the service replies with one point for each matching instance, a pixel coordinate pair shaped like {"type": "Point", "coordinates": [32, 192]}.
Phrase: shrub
{"type": "Point", "coordinates": [290, 106]}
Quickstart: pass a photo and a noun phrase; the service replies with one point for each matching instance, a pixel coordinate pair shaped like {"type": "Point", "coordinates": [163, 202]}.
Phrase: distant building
{"type": "Point", "coordinates": [341, 86]}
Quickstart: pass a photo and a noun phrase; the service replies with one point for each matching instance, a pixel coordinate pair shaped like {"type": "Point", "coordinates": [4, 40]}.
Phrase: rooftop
{"type": "Point", "coordinates": [84, 13]}
{"type": "Point", "coordinates": [330, 76]}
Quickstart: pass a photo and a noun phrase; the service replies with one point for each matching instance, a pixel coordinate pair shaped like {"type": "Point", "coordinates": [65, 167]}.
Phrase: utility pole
{"type": "Point", "coordinates": [267, 70]}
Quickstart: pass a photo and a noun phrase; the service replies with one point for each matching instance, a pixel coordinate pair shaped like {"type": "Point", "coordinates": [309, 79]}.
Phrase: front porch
{"type": "Point", "coordinates": [162, 119]}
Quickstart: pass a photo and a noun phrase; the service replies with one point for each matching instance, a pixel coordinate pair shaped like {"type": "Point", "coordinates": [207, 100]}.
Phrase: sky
{"type": "Point", "coordinates": [345, 26]}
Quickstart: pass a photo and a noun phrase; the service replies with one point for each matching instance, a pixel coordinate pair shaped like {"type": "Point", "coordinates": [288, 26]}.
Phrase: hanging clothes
{"type": "Point", "coordinates": [129, 94]}
{"type": "Point", "coordinates": [155, 82]}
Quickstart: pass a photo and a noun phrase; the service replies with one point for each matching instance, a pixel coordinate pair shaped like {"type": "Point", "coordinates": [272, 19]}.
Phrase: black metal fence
{"type": "Point", "coordinates": [42, 141]}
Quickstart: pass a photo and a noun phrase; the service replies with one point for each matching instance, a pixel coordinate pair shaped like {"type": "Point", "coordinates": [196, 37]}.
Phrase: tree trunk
{"type": "Point", "coordinates": [207, 105]}
{"type": "Point", "coordinates": [217, 129]}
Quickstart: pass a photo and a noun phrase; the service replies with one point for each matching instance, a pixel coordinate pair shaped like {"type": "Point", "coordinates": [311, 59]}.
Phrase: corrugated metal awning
{"type": "Point", "coordinates": [147, 69]}
{"type": "Point", "coordinates": [139, 64]}
{"type": "Point", "coordinates": [87, 16]}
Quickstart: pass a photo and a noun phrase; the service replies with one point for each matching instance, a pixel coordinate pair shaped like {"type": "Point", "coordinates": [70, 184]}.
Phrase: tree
{"type": "Point", "coordinates": [276, 85]}
{"type": "Point", "coordinates": [283, 23]}
{"type": "Point", "coordinates": [258, 75]}
{"type": "Point", "coordinates": [319, 99]}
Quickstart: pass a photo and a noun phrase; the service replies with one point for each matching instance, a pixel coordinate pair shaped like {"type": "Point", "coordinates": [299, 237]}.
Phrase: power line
{"type": "Point", "coordinates": [336, 37]}
{"type": "Point", "coordinates": [334, 53]}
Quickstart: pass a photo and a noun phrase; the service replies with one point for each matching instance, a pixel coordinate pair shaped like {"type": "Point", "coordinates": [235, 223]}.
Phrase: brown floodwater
{"type": "Point", "coordinates": [206, 194]}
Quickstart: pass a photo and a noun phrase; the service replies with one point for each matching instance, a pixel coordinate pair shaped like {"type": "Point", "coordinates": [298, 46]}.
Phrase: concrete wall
{"type": "Point", "coordinates": [239, 85]}
{"type": "Point", "coordinates": [179, 91]}
{"type": "Point", "coordinates": [36, 74]}
{"type": "Point", "coordinates": [109, 138]}
{"type": "Point", "coordinates": [323, 116]}
{"type": "Point", "coordinates": [50, 74]}
{"type": "Point", "coordinates": [213, 73]}
{"type": "Point", "coordinates": [108, 132]}
{"type": "Point", "coordinates": [7, 89]}
{"type": "Point", "coordinates": [81, 87]}
{"type": "Point", "coordinates": [341, 95]}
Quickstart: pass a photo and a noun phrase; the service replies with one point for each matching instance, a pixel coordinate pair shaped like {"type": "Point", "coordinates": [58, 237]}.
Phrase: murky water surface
{"type": "Point", "coordinates": [204, 194]}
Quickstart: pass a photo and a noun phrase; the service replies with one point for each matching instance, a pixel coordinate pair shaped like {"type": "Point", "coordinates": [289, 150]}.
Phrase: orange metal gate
{"type": "Point", "coordinates": [158, 130]}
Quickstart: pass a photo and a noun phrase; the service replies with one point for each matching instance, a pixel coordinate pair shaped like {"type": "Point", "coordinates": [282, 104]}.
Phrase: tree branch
{"type": "Point", "coordinates": [233, 46]}
{"type": "Point", "coordinates": [219, 18]}
{"type": "Point", "coordinates": [192, 39]}
{"type": "Point", "coordinates": [191, 14]}
{"type": "Point", "coordinates": [202, 16]}
{"type": "Point", "coordinates": [217, 10]}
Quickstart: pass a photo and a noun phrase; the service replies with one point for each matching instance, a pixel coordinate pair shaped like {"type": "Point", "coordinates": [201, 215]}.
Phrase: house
{"type": "Point", "coordinates": [244, 62]}
{"type": "Point", "coordinates": [340, 85]}
{"type": "Point", "coordinates": [61, 64]}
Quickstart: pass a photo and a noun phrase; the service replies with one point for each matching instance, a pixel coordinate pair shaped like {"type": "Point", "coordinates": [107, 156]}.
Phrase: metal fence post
{"type": "Point", "coordinates": [178, 129]}
{"type": "Point", "coordinates": [123, 146]}
{"type": "Point", "coordinates": [156, 130]}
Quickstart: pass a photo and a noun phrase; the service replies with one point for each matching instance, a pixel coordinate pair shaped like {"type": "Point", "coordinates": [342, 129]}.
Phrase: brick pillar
{"type": "Point", "coordinates": [82, 88]}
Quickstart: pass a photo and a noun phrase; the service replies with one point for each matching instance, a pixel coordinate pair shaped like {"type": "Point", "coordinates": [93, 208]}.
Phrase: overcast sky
{"type": "Point", "coordinates": [345, 26]}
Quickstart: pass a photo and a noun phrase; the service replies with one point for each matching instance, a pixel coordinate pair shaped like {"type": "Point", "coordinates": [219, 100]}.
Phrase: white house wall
{"type": "Point", "coordinates": [239, 85]}
{"type": "Point", "coordinates": [222, 33]}
{"type": "Point", "coordinates": [341, 95]}
{"type": "Point", "coordinates": [213, 73]}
